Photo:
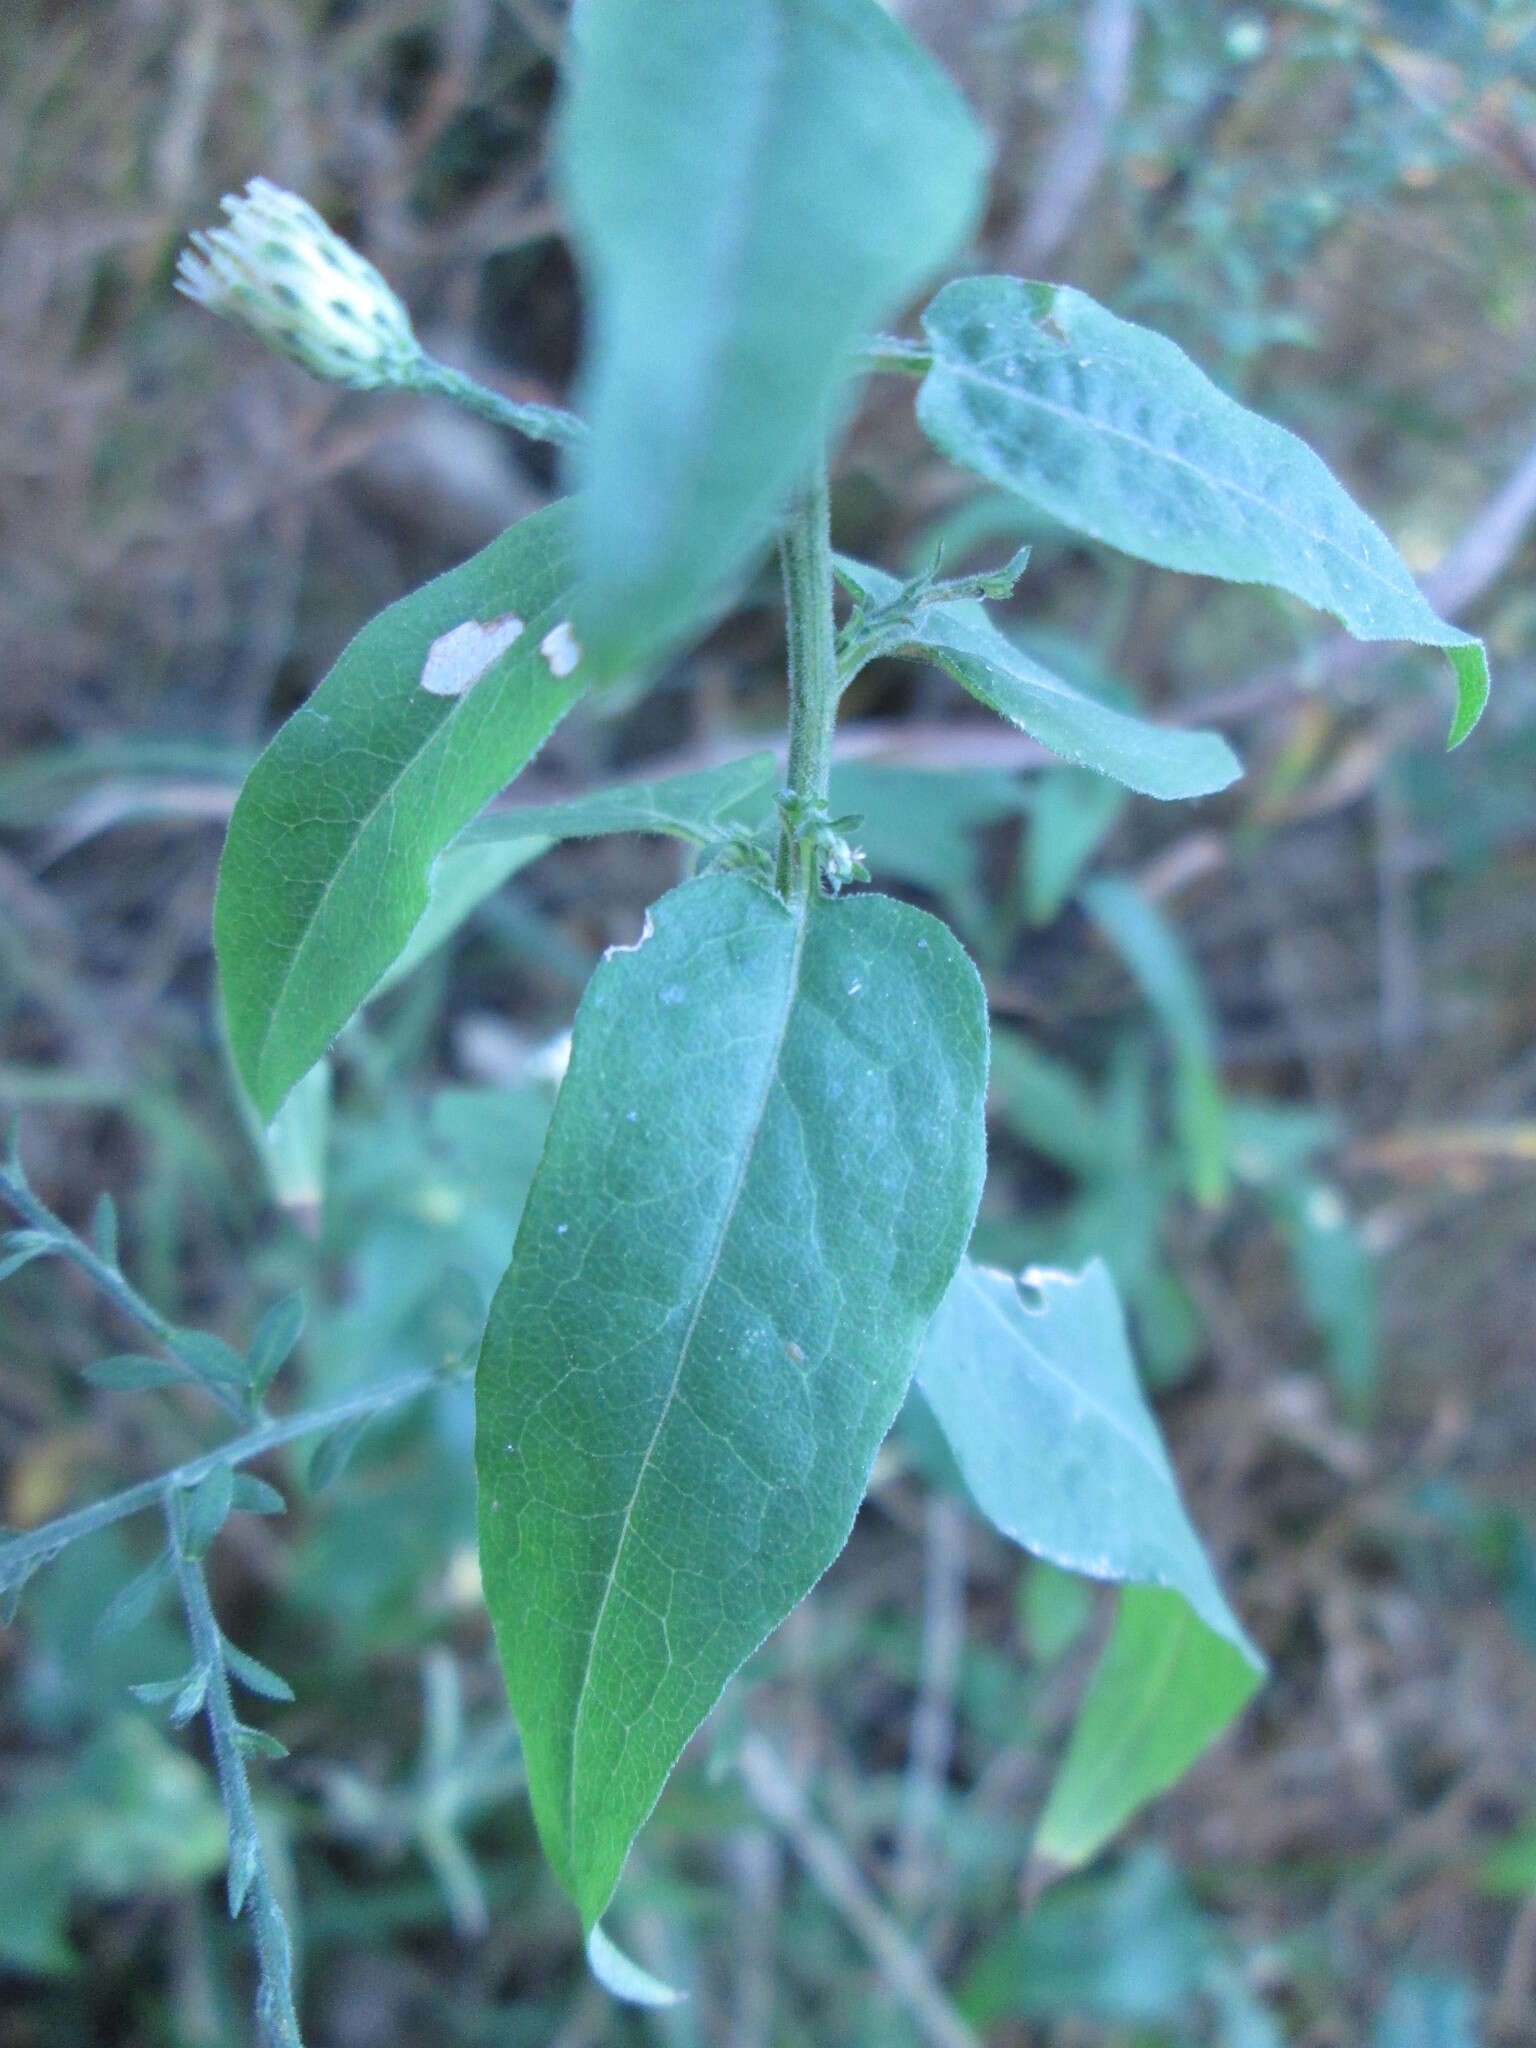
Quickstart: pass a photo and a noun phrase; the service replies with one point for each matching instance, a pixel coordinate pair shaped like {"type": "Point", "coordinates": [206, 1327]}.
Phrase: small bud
{"type": "Point", "coordinates": [278, 271]}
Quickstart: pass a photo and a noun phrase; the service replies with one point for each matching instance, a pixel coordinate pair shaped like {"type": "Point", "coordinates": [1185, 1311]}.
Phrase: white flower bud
{"type": "Point", "coordinates": [280, 272]}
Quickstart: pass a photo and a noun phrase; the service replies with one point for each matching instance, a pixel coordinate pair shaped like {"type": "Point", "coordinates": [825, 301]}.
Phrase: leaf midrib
{"type": "Point", "coordinates": [728, 1216]}
{"type": "Point", "coordinates": [442, 731]}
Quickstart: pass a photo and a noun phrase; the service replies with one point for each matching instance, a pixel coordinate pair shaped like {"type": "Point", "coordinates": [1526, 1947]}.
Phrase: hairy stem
{"type": "Point", "coordinates": [805, 552]}
{"type": "Point", "coordinates": [21, 1554]}
{"type": "Point", "coordinates": [14, 1190]}
{"type": "Point", "coordinates": [537, 422]}
{"type": "Point", "coordinates": [248, 1876]}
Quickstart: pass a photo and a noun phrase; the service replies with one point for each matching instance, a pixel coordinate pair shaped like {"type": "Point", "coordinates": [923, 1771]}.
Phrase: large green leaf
{"type": "Point", "coordinates": [1112, 430]}
{"type": "Point", "coordinates": [328, 862]}
{"type": "Point", "coordinates": [752, 184]}
{"type": "Point", "coordinates": [761, 1171]}
{"type": "Point", "coordinates": [1159, 760]}
{"type": "Point", "coordinates": [1047, 1423]}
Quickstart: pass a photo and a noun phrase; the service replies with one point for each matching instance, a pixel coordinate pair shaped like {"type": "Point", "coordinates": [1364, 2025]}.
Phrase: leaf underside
{"type": "Point", "coordinates": [328, 862]}
{"type": "Point", "coordinates": [1112, 430]}
{"type": "Point", "coordinates": [761, 1171]}
{"type": "Point", "coordinates": [752, 185]}
{"type": "Point", "coordinates": [1043, 1412]}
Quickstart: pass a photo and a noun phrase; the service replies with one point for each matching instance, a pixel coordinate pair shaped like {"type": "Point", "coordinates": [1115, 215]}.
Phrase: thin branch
{"type": "Point", "coordinates": [776, 1796]}
{"type": "Point", "coordinates": [248, 1878]}
{"type": "Point", "coordinates": [20, 1555]}
{"type": "Point", "coordinates": [110, 1280]}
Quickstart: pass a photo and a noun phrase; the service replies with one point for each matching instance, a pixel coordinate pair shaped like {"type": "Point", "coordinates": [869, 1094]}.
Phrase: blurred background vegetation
{"type": "Point", "coordinates": [1282, 1076]}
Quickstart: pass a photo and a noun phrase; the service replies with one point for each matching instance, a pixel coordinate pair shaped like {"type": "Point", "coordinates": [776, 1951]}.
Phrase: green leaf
{"type": "Point", "coordinates": [692, 807]}
{"type": "Point", "coordinates": [333, 1453]}
{"type": "Point", "coordinates": [216, 1363]}
{"type": "Point", "coordinates": [1151, 949]}
{"type": "Point", "coordinates": [135, 1601]}
{"type": "Point", "coordinates": [206, 1509]}
{"type": "Point", "coordinates": [1042, 1410]}
{"type": "Point", "coordinates": [1165, 1688]}
{"type": "Point", "coordinates": [253, 1496]}
{"type": "Point", "coordinates": [752, 185]}
{"type": "Point", "coordinates": [762, 1167]}
{"type": "Point", "coordinates": [1048, 1425]}
{"type": "Point", "coordinates": [272, 1346]}
{"type": "Point", "coordinates": [1129, 1948]}
{"type": "Point", "coordinates": [326, 869]}
{"type": "Point", "coordinates": [255, 1676]}
{"type": "Point", "coordinates": [1071, 815]}
{"type": "Point", "coordinates": [1112, 430]}
{"type": "Point", "coordinates": [19, 1248]}
{"type": "Point", "coordinates": [958, 636]}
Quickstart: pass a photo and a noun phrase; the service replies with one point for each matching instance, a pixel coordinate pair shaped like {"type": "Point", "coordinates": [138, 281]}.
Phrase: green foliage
{"type": "Point", "coordinates": [1114, 431]}
{"type": "Point", "coordinates": [1041, 1408]}
{"type": "Point", "coordinates": [326, 869]}
{"type": "Point", "coordinates": [711, 1317]}
{"type": "Point", "coordinates": [725, 164]}
{"type": "Point", "coordinates": [744, 1226]}
{"type": "Point", "coordinates": [1165, 1688]}
{"type": "Point", "coordinates": [960, 638]}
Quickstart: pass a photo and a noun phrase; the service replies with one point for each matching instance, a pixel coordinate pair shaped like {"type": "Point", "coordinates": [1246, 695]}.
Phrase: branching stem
{"type": "Point", "coordinates": [248, 1878]}
{"type": "Point", "coordinates": [124, 1296]}
{"type": "Point", "coordinates": [22, 1554]}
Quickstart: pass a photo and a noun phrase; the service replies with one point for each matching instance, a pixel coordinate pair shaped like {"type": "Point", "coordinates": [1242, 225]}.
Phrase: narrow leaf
{"type": "Point", "coordinates": [1159, 760]}
{"type": "Point", "coordinates": [189, 1699]}
{"type": "Point", "coordinates": [1165, 1688]}
{"type": "Point", "coordinates": [1112, 430]}
{"type": "Point", "coordinates": [330, 849]}
{"type": "Point", "coordinates": [206, 1509]}
{"type": "Point", "coordinates": [133, 1602]}
{"type": "Point", "coordinates": [272, 1346]}
{"type": "Point", "coordinates": [19, 1248]}
{"type": "Point", "coordinates": [211, 1358]}
{"type": "Point", "coordinates": [257, 1742]}
{"type": "Point", "coordinates": [334, 1451]}
{"type": "Point", "coordinates": [762, 1167]}
{"type": "Point", "coordinates": [693, 807]}
{"type": "Point", "coordinates": [253, 1496]}
{"type": "Point", "coordinates": [753, 184]}
{"type": "Point", "coordinates": [254, 1675]}
{"type": "Point", "coordinates": [1154, 954]}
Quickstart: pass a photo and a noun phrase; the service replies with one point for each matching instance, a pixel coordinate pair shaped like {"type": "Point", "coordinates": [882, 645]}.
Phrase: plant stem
{"type": "Point", "coordinates": [805, 552]}
{"type": "Point", "coordinates": [247, 1865]}
{"type": "Point", "coordinates": [891, 353]}
{"type": "Point", "coordinates": [537, 422]}
{"type": "Point", "coordinates": [115, 1287]}
{"type": "Point", "coordinates": [21, 1554]}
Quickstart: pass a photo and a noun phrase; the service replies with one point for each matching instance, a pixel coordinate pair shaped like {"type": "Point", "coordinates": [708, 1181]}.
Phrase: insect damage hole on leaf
{"type": "Point", "coordinates": [457, 659]}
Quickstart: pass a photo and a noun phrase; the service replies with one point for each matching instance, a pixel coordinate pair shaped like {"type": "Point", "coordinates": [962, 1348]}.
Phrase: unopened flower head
{"type": "Point", "coordinates": [279, 271]}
